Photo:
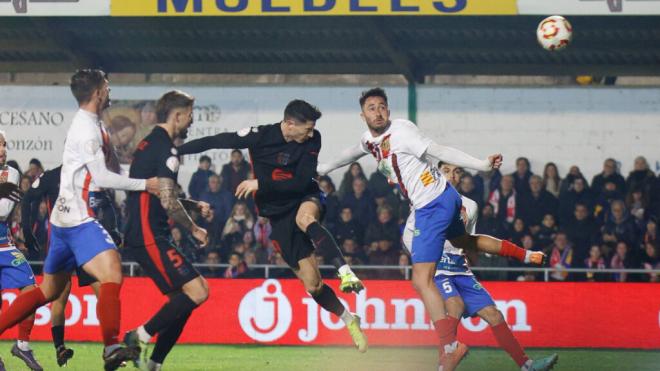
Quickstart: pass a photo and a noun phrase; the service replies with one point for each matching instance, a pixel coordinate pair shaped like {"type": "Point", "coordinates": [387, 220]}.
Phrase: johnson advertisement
{"type": "Point", "coordinates": [603, 315]}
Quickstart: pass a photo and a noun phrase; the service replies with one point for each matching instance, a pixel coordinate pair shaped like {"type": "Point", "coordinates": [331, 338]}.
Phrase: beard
{"type": "Point", "coordinates": [183, 134]}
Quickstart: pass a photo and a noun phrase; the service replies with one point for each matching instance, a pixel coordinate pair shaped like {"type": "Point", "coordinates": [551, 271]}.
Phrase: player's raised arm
{"type": "Point", "coordinates": [243, 138]}
{"type": "Point", "coordinates": [438, 153]}
{"type": "Point", "coordinates": [345, 157]}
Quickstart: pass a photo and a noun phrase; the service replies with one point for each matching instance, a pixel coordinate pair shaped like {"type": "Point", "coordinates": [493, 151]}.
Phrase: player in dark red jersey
{"type": "Point", "coordinates": [148, 232]}
{"type": "Point", "coordinates": [284, 157]}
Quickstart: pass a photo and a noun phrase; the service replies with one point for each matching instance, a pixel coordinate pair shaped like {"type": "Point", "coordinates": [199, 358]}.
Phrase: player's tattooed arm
{"type": "Point", "coordinates": [172, 205]}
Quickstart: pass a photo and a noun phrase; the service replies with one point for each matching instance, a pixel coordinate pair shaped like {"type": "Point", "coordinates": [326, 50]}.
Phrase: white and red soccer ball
{"type": "Point", "coordinates": [554, 33]}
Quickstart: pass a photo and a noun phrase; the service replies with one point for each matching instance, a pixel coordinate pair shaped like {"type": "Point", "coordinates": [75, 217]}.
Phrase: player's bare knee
{"type": "Point", "coordinates": [303, 221]}
{"type": "Point", "coordinates": [313, 286]}
{"type": "Point", "coordinates": [197, 290]}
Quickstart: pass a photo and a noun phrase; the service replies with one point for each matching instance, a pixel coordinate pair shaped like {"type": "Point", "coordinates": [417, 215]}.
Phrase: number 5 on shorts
{"type": "Point", "coordinates": [175, 258]}
{"type": "Point", "coordinates": [447, 287]}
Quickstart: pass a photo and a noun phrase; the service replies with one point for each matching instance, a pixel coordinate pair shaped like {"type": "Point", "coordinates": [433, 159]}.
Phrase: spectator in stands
{"type": "Point", "coordinates": [348, 227]}
{"type": "Point", "coordinates": [237, 267]}
{"type": "Point", "coordinates": [521, 176]}
{"type": "Point", "coordinates": [212, 257]}
{"type": "Point", "coordinates": [504, 200]}
{"type": "Point", "coordinates": [621, 260]}
{"type": "Point", "coordinates": [595, 261]}
{"type": "Point", "coordinates": [650, 260]}
{"type": "Point", "coordinates": [404, 261]}
{"type": "Point", "coordinates": [487, 181]}
{"type": "Point", "coordinates": [200, 178]}
{"type": "Point", "coordinates": [604, 200]}
{"type": "Point", "coordinates": [351, 248]}
{"type": "Point", "coordinates": [262, 230]}
{"type": "Point", "coordinates": [518, 231]}
{"type": "Point", "coordinates": [536, 204]}
{"type": "Point", "coordinates": [240, 221]}
{"type": "Point", "coordinates": [467, 188]}
{"type": "Point", "coordinates": [581, 230]}
{"type": "Point", "coordinates": [361, 202]}
{"type": "Point", "coordinates": [379, 185]}
{"type": "Point", "coordinates": [489, 224]}
{"type": "Point", "coordinates": [561, 256]}
{"type": "Point", "coordinates": [551, 179]}
{"type": "Point", "coordinates": [637, 203]}
{"type": "Point", "coordinates": [567, 183]}
{"type": "Point", "coordinates": [221, 204]}
{"type": "Point", "coordinates": [547, 231]}
{"type": "Point", "coordinates": [610, 173]}
{"type": "Point", "coordinates": [654, 199]}
{"type": "Point", "coordinates": [641, 177]}
{"type": "Point", "coordinates": [577, 194]}
{"type": "Point", "coordinates": [24, 183]}
{"type": "Point", "coordinates": [619, 226]}
{"type": "Point", "coordinates": [236, 171]}
{"type": "Point", "coordinates": [34, 170]}
{"type": "Point", "coordinates": [249, 241]}
{"type": "Point", "coordinates": [383, 252]}
{"type": "Point", "coordinates": [332, 205]}
{"type": "Point", "coordinates": [385, 228]}
{"type": "Point", "coordinates": [346, 186]}
{"type": "Point", "coordinates": [651, 234]}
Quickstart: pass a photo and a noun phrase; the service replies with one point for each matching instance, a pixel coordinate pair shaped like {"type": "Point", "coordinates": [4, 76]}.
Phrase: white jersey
{"type": "Point", "coordinates": [84, 144]}
{"type": "Point", "coordinates": [400, 155]}
{"type": "Point", "coordinates": [454, 261]}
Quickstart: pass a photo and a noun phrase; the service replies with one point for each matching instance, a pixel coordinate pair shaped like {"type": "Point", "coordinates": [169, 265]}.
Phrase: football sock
{"type": "Point", "coordinates": [347, 316]}
{"type": "Point", "coordinates": [108, 308]}
{"type": "Point", "coordinates": [325, 244]}
{"type": "Point", "coordinates": [512, 250]}
{"type": "Point", "coordinates": [446, 329]}
{"type": "Point", "coordinates": [328, 300]}
{"type": "Point", "coordinates": [23, 345]}
{"type": "Point", "coordinates": [23, 306]}
{"type": "Point", "coordinates": [508, 342]}
{"type": "Point", "coordinates": [168, 337]}
{"type": "Point", "coordinates": [179, 305]}
{"type": "Point", "coordinates": [25, 328]}
{"type": "Point", "coordinates": [58, 335]}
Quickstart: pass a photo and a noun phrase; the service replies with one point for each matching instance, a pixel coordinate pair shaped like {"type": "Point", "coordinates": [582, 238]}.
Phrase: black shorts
{"type": "Point", "coordinates": [84, 278]}
{"type": "Point", "coordinates": [165, 265]}
{"type": "Point", "coordinates": [288, 239]}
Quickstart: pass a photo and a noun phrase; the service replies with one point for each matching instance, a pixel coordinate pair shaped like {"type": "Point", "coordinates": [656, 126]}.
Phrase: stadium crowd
{"type": "Point", "coordinates": [608, 222]}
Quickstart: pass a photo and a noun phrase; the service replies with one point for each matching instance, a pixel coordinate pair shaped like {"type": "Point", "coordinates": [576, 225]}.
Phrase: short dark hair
{"type": "Point", "coordinates": [375, 92]}
{"type": "Point", "coordinates": [204, 158]}
{"type": "Point", "coordinates": [236, 150]}
{"type": "Point", "coordinates": [170, 101]}
{"type": "Point", "coordinates": [36, 162]}
{"type": "Point", "coordinates": [84, 82]}
{"type": "Point", "coordinates": [301, 111]}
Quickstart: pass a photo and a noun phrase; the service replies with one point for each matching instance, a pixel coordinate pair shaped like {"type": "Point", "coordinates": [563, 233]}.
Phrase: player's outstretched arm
{"type": "Point", "coordinates": [345, 157]}
{"type": "Point", "coordinates": [176, 211]}
{"type": "Point", "coordinates": [436, 153]}
{"type": "Point", "coordinates": [105, 178]}
{"type": "Point", "coordinates": [231, 140]}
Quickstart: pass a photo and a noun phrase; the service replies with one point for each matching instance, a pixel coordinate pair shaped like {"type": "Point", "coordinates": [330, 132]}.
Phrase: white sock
{"type": "Point", "coordinates": [347, 317]}
{"type": "Point", "coordinates": [23, 345]}
{"type": "Point", "coordinates": [527, 365]}
{"type": "Point", "coordinates": [109, 349]}
{"type": "Point", "coordinates": [153, 366]}
{"type": "Point", "coordinates": [344, 269]}
{"type": "Point", "coordinates": [143, 335]}
{"type": "Point", "coordinates": [450, 348]}
{"type": "Point", "coordinates": [527, 255]}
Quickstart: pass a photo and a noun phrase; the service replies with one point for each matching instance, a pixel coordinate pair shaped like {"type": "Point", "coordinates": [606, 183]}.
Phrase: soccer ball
{"type": "Point", "coordinates": [554, 33]}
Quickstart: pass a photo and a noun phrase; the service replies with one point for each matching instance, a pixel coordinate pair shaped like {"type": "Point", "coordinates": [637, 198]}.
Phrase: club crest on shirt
{"type": "Point", "coordinates": [283, 158]}
{"type": "Point", "coordinates": [385, 146]}
{"type": "Point", "coordinates": [172, 163]}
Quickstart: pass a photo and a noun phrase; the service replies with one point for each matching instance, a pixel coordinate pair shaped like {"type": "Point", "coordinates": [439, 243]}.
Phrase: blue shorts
{"type": "Point", "coordinates": [435, 223]}
{"type": "Point", "coordinates": [15, 272]}
{"type": "Point", "coordinates": [74, 246]}
{"type": "Point", "coordinates": [467, 288]}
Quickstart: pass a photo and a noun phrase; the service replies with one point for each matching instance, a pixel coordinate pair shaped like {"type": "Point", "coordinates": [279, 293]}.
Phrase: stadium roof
{"type": "Point", "coordinates": [413, 46]}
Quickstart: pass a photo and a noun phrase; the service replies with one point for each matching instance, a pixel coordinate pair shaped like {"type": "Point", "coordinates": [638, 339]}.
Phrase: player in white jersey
{"type": "Point", "coordinates": [406, 157]}
{"type": "Point", "coordinates": [15, 272]}
{"type": "Point", "coordinates": [77, 239]}
{"type": "Point", "coordinates": [465, 296]}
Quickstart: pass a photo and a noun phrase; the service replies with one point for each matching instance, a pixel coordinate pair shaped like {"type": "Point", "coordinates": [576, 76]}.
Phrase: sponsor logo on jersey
{"type": "Point", "coordinates": [417, 232]}
{"type": "Point", "coordinates": [142, 145]}
{"type": "Point", "coordinates": [19, 258]}
{"type": "Point", "coordinates": [279, 175]}
{"type": "Point", "coordinates": [427, 178]}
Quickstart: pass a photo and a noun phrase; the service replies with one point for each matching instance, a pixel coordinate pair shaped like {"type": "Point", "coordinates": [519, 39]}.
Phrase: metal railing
{"type": "Point", "coordinates": [133, 268]}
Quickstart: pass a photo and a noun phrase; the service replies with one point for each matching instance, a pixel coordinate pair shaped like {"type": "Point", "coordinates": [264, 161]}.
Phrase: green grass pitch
{"type": "Point", "coordinates": [312, 358]}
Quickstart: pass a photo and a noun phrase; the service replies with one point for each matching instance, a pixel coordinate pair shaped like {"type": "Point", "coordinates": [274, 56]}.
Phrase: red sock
{"type": "Point", "coordinates": [23, 306]}
{"type": "Point", "coordinates": [508, 342]}
{"type": "Point", "coordinates": [109, 309]}
{"type": "Point", "coordinates": [446, 329]}
{"type": "Point", "coordinates": [25, 328]}
{"type": "Point", "coordinates": [510, 249]}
